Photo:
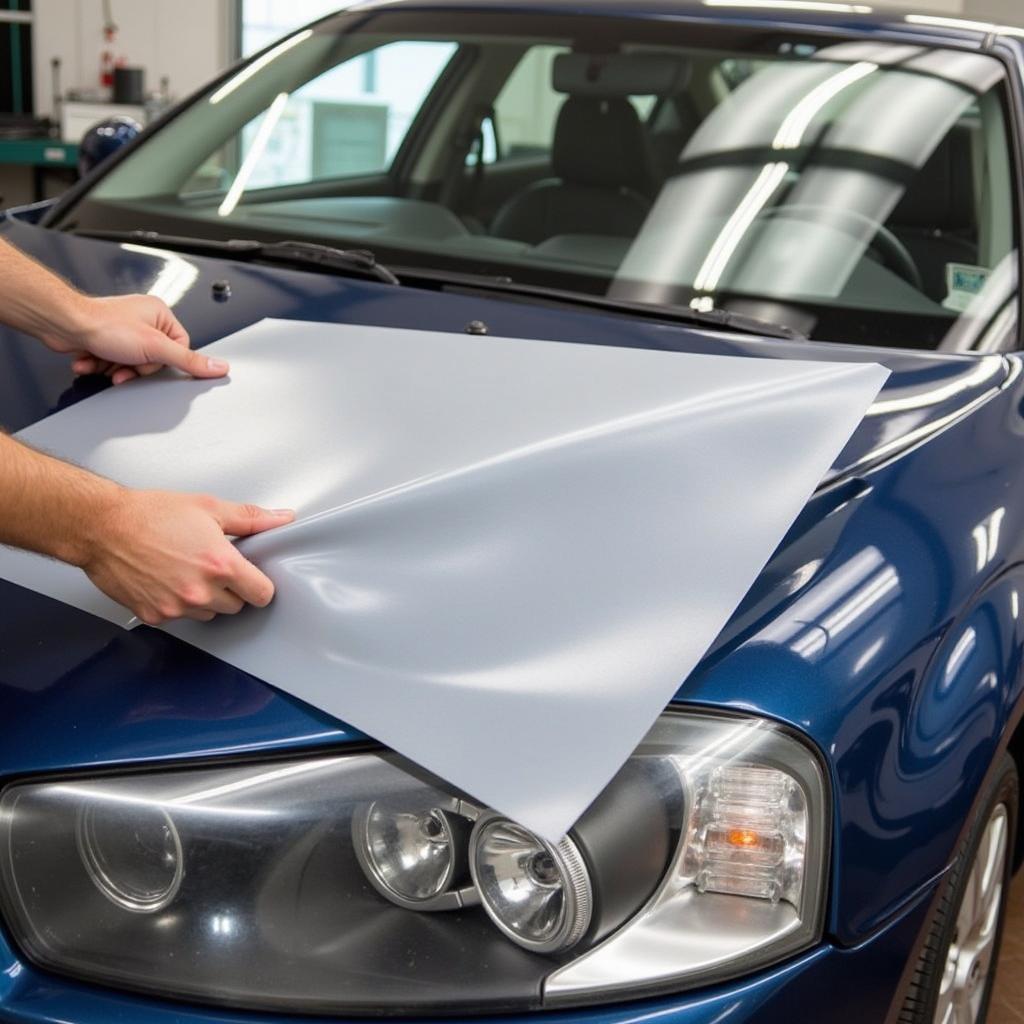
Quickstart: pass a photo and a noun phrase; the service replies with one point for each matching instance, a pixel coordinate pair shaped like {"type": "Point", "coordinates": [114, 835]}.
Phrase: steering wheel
{"type": "Point", "coordinates": [895, 255]}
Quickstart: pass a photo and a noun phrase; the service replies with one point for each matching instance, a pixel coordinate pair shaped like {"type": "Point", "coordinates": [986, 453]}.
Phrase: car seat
{"type": "Point", "coordinates": [604, 170]}
{"type": "Point", "coordinates": [603, 177]}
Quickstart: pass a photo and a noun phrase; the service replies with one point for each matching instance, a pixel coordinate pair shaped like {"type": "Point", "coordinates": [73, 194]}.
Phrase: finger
{"type": "Point", "coordinates": [123, 374]}
{"type": "Point", "coordinates": [171, 326]}
{"type": "Point", "coordinates": [225, 602]}
{"type": "Point", "coordinates": [251, 585]}
{"type": "Point", "coordinates": [146, 369]}
{"type": "Point", "coordinates": [98, 366]}
{"type": "Point", "coordinates": [86, 364]}
{"type": "Point", "coordinates": [199, 614]}
{"type": "Point", "coordinates": [160, 348]}
{"type": "Point", "coordinates": [245, 520]}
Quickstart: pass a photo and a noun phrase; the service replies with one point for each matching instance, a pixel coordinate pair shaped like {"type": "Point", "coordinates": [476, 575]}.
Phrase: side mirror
{"type": "Point", "coordinates": [104, 138]}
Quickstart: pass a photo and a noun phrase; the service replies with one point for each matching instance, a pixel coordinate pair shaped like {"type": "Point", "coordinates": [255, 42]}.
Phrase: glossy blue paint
{"type": "Point", "coordinates": [887, 629]}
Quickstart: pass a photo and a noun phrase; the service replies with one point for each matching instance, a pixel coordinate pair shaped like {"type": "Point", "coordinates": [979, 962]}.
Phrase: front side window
{"type": "Point", "coordinates": [858, 191]}
{"type": "Point", "coordinates": [348, 121]}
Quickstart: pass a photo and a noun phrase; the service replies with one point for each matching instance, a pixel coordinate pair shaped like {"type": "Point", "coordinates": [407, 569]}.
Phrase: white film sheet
{"type": "Point", "coordinates": [508, 555]}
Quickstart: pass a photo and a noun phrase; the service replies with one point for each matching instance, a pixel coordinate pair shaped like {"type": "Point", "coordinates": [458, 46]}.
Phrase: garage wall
{"type": "Point", "coordinates": [938, 6]}
{"type": "Point", "coordinates": [192, 40]}
{"type": "Point", "coordinates": [189, 41]}
{"type": "Point", "coordinates": [1009, 11]}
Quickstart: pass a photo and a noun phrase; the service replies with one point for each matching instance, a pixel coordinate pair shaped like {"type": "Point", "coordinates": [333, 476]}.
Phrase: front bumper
{"type": "Point", "coordinates": [827, 985]}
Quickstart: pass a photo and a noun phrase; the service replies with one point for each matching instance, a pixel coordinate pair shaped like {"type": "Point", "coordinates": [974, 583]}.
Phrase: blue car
{"type": "Point", "coordinates": [823, 824]}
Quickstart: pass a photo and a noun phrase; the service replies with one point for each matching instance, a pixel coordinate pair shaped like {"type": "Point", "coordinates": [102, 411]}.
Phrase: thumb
{"type": "Point", "coordinates": [163, 350]}
{"type": "Point", "coordinates": [244, 520]}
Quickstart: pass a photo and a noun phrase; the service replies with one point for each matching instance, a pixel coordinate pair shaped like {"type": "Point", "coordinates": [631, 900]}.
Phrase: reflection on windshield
{"type": "Point", "coordinates": [857, 191]}
{"type": "Point", "coordinates": [798, 226]}
{"type": "Point", "coordinates": [253, 155]}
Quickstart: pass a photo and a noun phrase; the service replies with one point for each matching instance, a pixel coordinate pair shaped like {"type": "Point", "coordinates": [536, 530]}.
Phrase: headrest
{"type": "Point", "coordinates": [608, 75]}
{"type": "Point", "coordinates": [941, 194]}
{"type": "Point", "coordinates": [601, 143]}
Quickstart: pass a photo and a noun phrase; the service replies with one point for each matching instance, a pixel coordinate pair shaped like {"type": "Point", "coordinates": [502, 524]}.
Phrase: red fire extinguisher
{"type": "Point", "coordinates": [108, 58]}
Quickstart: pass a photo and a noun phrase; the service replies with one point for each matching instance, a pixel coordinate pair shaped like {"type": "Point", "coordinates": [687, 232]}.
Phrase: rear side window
{"type": "Point", "coordinates": [526, 109]}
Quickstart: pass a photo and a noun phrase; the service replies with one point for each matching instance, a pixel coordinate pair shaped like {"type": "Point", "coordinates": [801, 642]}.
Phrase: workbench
{"type": "Point", "coordinates": [42, 155]}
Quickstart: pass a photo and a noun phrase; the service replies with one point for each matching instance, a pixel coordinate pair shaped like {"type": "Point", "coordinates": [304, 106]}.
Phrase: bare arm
{"type": "Point", "coordinates": [163, 555]}
{"type": "Point", "coordinates": [124, 336]}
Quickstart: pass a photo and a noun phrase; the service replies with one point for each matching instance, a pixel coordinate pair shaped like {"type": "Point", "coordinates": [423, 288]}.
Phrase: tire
{"type": "Point", "coordinates": [952, 982]}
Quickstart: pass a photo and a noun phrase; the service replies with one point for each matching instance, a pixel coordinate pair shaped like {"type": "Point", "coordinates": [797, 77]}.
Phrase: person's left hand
{"type": "Point", "coordinates": [131, 336]}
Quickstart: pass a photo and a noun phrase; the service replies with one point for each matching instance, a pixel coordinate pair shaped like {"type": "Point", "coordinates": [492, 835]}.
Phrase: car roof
{"type": "Point", "coordinates": [852, 16]}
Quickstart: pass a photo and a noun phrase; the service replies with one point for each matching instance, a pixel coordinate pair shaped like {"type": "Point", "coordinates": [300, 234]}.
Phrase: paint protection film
{"type": "Point", "coordinates": [509, 554]}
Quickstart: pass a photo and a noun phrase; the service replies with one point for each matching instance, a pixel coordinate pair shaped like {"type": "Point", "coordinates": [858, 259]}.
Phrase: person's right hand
{"type": "Point", "coordinates": [167, 556]}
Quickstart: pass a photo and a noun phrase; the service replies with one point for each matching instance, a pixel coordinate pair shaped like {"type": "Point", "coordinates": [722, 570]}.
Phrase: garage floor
{"type": "Point", "coordinates": [1008, 998]}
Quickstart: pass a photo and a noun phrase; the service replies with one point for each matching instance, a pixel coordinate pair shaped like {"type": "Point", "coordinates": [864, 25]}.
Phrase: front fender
{"type": "Point", "coordinates": [887, 629]}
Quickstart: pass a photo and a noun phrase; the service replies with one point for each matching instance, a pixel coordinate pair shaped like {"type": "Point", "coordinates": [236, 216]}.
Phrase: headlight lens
{"type": "Point", "coordinates": [538, 894]}
{"type": "Point", "coordinates": [415, 856]}
{"type": "Point", "coordinates": [132, 854]}
{"type": "Point", "coordinates": [303, 884]}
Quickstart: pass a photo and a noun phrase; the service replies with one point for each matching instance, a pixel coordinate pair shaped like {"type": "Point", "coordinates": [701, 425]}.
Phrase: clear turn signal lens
{"type": "Point", "coordinates": [750, 834]}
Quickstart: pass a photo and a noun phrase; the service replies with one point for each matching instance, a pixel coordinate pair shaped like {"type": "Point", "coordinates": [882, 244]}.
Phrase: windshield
{"type": "Point", "coordinates": [856, 191]}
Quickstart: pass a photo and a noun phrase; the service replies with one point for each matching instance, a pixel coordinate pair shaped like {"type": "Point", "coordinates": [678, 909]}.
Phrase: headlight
{"type": "Point", "coordinates": [132, 854]}
{"type": "Point", "coordinates": [537, 893]}
{"type": "Point", "coordinates": [416, 856]}
{"type": "Point", "coordinates": [346, 884]}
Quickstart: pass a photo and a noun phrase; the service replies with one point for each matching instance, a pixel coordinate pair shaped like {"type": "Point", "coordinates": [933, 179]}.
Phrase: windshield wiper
{"type": "Point", "coordinates": [293, 253]}
{"type": "Point", "coordinates": [718, 319]}
{"type": "Point", "coordinates": [363, 263]}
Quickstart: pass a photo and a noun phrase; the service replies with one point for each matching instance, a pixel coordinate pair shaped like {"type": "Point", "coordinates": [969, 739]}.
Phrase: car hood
{"type": "Point", "coordinates": [83, 692]}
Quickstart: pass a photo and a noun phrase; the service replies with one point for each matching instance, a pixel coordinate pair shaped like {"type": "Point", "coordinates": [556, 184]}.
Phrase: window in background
{"type": "Point", "coordinates": [527, 107]}
{"type": "Point", "coordinates": [350, 120]}
{"type": "Point", "coordinates": [263, 21]}
{"type": "Point", "coordinates": [347, 122]}
{"type": "Point", "coordinates": [16, 57]}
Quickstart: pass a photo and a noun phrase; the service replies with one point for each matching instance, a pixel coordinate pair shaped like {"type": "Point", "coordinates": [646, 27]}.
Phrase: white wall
{"type": "Point", "coordinates": [190, 41]}
{"type": "Point", "coordinates": [187, 40]}
{"type": "Point", "coordinates": [936, 6]}
{"type": "Point", "coordinates": [265, 20]}
{"type": "Point", "coordinates": [1009, 11]}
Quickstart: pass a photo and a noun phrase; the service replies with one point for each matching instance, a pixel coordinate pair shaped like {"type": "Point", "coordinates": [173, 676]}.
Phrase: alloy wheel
{"type": "Point", "coordinates": [970, 960]}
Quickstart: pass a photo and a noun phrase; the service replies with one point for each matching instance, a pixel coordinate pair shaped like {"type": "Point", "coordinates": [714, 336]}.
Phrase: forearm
{"type": "Point", "coordinates": [50, 506]}
{"type": "Point", "coordinates": [38, 302]}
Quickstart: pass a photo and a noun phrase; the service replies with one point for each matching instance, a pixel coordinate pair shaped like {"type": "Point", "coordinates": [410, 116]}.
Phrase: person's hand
{"type": "Point", "coordinates": [167, 556]}
{"type": "Point", "coordinates": [129, 336]}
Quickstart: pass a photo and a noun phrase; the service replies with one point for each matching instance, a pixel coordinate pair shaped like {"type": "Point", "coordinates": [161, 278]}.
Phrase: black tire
{"type": "Point", "coordinates": [922, 999]}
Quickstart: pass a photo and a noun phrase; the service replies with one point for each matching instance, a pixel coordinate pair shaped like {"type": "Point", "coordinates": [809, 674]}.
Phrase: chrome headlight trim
{"type": "Point", "coordinates": [664, 948]}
